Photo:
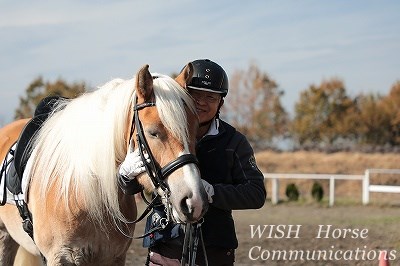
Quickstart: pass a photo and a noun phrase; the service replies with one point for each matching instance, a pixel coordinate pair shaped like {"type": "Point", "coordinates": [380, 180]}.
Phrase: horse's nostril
{"type": "Point", "coordinates": [192, 207]}
{"type": "Point", "coordinates": [186, 206]}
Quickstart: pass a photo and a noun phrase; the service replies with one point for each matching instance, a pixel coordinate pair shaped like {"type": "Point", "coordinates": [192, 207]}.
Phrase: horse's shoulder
{"type": "Point", "coordinates": [9, 135]}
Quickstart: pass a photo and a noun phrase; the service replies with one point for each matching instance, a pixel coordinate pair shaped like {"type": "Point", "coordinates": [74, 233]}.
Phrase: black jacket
{"type": "Point", "coordinates": [227, 162]}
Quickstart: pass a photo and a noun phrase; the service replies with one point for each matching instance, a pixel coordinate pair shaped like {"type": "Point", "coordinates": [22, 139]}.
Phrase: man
{"type": "Point", "coordinates": [229, 174]}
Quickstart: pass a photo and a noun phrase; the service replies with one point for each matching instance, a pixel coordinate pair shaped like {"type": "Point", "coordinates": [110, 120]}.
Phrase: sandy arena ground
{"type": "Point", "coordinates": [373, 228]}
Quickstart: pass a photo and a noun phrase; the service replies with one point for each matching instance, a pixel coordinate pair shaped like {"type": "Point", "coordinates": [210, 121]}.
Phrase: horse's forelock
{"type": "Point", "coordinates": [171, 101]}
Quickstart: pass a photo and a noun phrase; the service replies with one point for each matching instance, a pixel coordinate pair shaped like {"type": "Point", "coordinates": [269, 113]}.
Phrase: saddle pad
{"type": "Point", "coordinates": [24, 182]}
{"type": "Point", "coordinates": [24, 143]}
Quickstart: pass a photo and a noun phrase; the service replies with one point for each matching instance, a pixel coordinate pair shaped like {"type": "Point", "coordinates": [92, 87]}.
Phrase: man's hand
{"type": "Point", "coordinates": [133, 165]}
{"type": "Point", "coordinates": [209, 189]}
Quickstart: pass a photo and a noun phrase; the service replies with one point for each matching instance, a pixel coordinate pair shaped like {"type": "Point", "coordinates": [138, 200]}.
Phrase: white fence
{"type": "Point", "coordinates": [365, 179]}
{"type": "Point", "coordinates": [367, 187]}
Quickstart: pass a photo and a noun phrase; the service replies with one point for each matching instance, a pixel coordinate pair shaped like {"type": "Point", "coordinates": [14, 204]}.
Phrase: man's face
{"type": "Point", "coordinates": [207, 104]}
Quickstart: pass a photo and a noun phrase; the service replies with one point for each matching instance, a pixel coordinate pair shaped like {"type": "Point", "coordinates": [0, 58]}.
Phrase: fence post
{"type": "Point", "coordinates": [365, 188]}
{"type": "Point", "coordinates": [331, 191]}
{"type": "Point", "coordinates": [275, 191]}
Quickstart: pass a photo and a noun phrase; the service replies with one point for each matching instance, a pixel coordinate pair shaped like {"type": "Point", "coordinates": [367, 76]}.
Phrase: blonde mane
{"type": "Point", "coordinates": [80, 146]}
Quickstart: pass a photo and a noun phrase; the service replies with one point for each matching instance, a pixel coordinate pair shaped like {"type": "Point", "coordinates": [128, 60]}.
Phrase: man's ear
{"type": "Point", "coordinates": [221, 102]}
{"type": "Point", "coordinates": [186, 75]}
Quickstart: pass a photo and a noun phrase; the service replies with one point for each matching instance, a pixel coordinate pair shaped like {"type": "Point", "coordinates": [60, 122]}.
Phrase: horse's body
{"type": "Point", "coordinates": [79, 214]}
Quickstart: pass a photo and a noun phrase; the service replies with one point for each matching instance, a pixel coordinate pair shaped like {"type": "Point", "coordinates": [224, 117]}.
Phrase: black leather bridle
{"type": "Point", "coordinates": [155, 172]}
{"type": "Point", "coordinates": [157, 176]}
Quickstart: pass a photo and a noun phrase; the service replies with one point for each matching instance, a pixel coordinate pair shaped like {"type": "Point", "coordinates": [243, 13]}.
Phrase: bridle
{"type": "Point", "coordinates": [156, 173]}
{"type": "Point", "coordinates": [157, 176]}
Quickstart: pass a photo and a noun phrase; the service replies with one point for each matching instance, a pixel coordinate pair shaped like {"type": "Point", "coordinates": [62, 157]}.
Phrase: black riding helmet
{"type": "Point", "coordinates": [209, 76]}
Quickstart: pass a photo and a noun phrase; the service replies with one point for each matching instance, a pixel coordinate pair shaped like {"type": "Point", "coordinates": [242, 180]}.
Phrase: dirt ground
{"type": "Point", "coordinates": [371, 229]}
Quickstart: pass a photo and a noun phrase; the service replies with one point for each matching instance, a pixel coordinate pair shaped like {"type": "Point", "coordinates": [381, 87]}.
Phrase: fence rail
{"type": "Point", "coordinates": [367, 187]}
{"type": "Point", "coordinates": [365, 179]}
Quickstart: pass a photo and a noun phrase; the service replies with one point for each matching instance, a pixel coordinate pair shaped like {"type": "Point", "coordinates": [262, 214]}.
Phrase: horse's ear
{"type": "Point", "coordinates": [186, 75]}
{"type": "Point", "coordinates": [144, 84]}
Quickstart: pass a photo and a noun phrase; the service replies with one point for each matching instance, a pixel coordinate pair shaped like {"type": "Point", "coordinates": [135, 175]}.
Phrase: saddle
{"type": "Point", "coordinates": [23, 148]}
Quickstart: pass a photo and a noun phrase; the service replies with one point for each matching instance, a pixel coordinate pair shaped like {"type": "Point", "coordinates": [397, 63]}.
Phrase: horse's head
{"type": "Point", "coordinates": [165, 126]}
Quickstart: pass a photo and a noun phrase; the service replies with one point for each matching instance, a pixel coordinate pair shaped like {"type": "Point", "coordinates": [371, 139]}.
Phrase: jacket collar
{"type": "Point", "coordinates": [214, 128]}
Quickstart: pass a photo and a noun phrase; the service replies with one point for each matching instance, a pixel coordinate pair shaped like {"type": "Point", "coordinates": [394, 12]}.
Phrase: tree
{"type": "Point", "coordinates": [254, 106]}
{"type": "Point", "coordinates": [38, 89]}
{"type": "Point", "coordinates": [391, 108]}
{"type": "Point", "coordinates": [373, 121]}
{"type": "Point", "coordinates": [324, 114]}
{"type": "Point", "coordinates": [379, 118]}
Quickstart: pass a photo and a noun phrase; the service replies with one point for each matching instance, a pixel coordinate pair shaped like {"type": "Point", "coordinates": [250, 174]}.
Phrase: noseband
{"type": "Point", "coordinates": [155, 172]}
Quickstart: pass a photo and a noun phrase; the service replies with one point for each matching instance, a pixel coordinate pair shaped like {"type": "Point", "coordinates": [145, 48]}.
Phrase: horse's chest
{"type": "Point", "coordinates": [94, 253]}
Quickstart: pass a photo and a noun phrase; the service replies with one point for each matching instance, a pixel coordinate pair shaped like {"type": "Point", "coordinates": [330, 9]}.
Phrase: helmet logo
{"type": "Point", "coordinates": [207, 83]}
{"type": "Point", "coordinates": [207, 76]}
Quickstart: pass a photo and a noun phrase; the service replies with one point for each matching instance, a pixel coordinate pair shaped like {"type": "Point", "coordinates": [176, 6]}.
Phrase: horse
{"type": "Point", "coordinates": [79, 213]}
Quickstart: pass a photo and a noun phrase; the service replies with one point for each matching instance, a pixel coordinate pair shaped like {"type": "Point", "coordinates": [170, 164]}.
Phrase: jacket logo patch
{"type": "Point", "coordinates": [252, 162]}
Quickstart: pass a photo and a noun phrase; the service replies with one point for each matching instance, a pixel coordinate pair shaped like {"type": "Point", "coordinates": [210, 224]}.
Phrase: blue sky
{"type": "Point", "coordinates": [298, 43]}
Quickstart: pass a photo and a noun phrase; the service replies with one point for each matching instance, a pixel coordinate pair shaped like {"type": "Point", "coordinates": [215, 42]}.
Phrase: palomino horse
{"type": "Point", "coordinates": [79, 214]}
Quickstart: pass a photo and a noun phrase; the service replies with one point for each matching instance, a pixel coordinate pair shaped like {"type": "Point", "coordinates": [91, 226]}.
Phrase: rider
{"type": "Point", "coordinates": [229, 173]}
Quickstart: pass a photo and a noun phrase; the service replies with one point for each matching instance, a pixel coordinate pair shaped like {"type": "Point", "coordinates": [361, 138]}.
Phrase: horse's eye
{"type": "Point", "coordinates": [153, 132]}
